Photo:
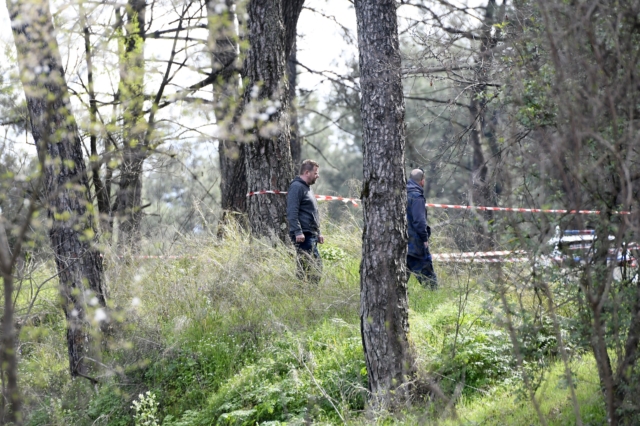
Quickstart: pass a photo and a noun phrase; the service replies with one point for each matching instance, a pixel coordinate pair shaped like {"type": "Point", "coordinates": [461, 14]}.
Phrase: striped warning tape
{"type": "Point", "coordinates": [480, 260]}
{"type": "Point", "coordinates": [345, 200]}
{"type": "Point", "coordinates": [456, 258]}
{"type": "Point", "coordinates": [518, 210]}
{"type": "Point", "coordinates": [559, 260]}
{"type": "Point", "coordinates": [464, 255]}
{"type": "Point", "coordinates": [265, 191]}
{"type": "Point", "coordinates": [452, 206]}
{"type": "Point", "coordinates": [164, 257]}
{"type": "Point", "coordinates": [153, 257]}
{"type": "Point", "coordinates": [588, 246]}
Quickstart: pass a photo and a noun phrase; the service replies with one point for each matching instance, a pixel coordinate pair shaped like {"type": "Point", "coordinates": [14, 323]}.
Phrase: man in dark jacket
{"type": "Point", "coordinates": [304, 222]}
{"type": "Point", "coordinates": [418, 256]}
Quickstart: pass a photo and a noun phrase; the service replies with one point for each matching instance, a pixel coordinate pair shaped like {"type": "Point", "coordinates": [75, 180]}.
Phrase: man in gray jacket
{"type": "Point", "coordinates": [304, 222]}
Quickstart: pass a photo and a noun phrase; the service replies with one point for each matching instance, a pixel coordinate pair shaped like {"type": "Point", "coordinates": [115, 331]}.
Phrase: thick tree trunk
{"type": "Point", "coordinates": [134, 128]}
{"type": "Point", "coordinates": [292, 76]}
{"type": "Point", "coordinates": [66, 187]}
{"type": "Point", "coordinates": [268, 156]}
{"type": "Point", "coordinates": [223, 39]}
{"type": "Point", "coordinates": [383, 293]}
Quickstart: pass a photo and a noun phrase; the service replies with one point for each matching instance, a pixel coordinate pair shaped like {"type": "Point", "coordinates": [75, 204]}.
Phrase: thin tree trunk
{"type": "Point", "coordinates": [8, 356]}
{"type": "Point", "coordinates": [479, 188]}
{"type": "Point", "coordinates": [66, 187]}
{"type": "Point", "coordinates": [383, 292]}
{"type": "Point", "coordinates": [101, 192]}
{"type": "Point", "coordinates": [134, 149]}
{"type": "Point", "coordinates": [268, 156]}
{"type": "Point", "coordinates": [481, 191]}
{"type": "Point", "coordinates": [224, 38]}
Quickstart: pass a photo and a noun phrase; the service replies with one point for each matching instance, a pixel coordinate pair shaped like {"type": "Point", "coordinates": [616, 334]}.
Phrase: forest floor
{"type": "Point", "coordinates": [227, 335]}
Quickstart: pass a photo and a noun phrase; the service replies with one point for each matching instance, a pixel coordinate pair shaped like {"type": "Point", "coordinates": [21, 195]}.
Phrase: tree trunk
{"type": "Point", "coordinates": [8, 355]}
{"type": "Point", "coordinates": [101, 191]}
{"type": "Point", "coordinates": [66, 187]}
{"type": "Point", "coordinates": [292, 76]}
{"type": "Point", "coordinates": [482, 192]}
{"type": "Point", "coordinates": [268, 155]}
{"type": "Point", "coordinates": [134, 149]}
{"type": "Point", "coordinates": [383, 292]}
{"type": "Point", "coordinates": [223, 39]}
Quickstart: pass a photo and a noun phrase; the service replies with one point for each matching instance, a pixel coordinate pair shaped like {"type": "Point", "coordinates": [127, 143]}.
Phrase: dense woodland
{"type": "Point", "coordinates": [142, 286]}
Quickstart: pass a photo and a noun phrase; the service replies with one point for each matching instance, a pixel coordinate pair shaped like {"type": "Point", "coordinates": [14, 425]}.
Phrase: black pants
{"type": "Point", "coordinates": [422, 268]}
{"type": "Point", "coordinates": [309, 263]}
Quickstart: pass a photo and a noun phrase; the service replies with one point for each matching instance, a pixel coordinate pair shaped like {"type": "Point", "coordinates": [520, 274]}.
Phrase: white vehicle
{"type": "Point", "coordinates": [574, 246]}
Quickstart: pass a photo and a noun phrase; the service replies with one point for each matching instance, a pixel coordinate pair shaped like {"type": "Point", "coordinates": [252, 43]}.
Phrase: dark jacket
{"type": "Point", "coordinates": [416, 220]}
{"type": "Point", "coordinates": [302, 209]}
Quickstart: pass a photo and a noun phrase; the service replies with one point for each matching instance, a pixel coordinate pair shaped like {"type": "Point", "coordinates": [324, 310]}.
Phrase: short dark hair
{"type": "Point", "coordinates": [307, 166]}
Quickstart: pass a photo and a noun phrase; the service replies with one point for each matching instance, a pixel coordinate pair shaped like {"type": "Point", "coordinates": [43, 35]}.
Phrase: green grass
{"type": "Point", "coordinates": [228, 335]}
{"type": "Point", "coordinates": [508, 404]}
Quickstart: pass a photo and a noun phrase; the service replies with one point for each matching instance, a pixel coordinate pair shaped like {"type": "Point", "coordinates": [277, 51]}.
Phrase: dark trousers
{"type": "Point", "coordinates": [309, 264]}
{"type": "Point", "coordinates": [422, 268]}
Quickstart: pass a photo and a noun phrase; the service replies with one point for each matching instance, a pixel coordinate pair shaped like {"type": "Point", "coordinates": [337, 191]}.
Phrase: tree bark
{"type": "Point", "coordinates": [290, 13]}
{"type": "Point", "coordinates": [223, 39]}
{"type": "Point", "coordinates": [134, 127]}
{"type": "Point", "coordinates": [268, 155]}
{"type": "Point", "coordinates": [66, 187]}
{"type": "Point", "coordinates": [8, 357]}
{"type": "Point", "coordinates": [482, 193]}
{"type": "Point", "coordinates": [292, 76]}
{"type": "Point", "coordinates": [383, 293]}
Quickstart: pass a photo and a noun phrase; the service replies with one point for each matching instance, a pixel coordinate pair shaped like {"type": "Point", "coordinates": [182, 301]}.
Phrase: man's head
{"type": "Point", "coordinates": [417, 176]}
{"type": "Point", "coordinates": [309, 171]}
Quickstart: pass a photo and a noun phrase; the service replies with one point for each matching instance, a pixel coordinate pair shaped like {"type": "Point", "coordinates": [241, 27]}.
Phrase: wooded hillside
{"type": "Point", "coordinates": [147, 260]}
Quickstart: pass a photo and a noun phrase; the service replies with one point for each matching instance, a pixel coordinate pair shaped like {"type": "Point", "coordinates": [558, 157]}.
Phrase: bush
{"type": "Point", "coordinates": [319, 377]}
{"type": "Point", "coordinates": [482, 357]}
{"type": "Point", "coordinates": [146, 410]}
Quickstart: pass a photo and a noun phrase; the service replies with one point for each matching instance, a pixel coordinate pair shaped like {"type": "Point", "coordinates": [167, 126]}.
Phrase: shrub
{"type": "Point", "coordinates": [294, 379]}
{"type": "Point", "coordinates": [146, 410]}
{"type": "Point", "coordinates": [481, 358]}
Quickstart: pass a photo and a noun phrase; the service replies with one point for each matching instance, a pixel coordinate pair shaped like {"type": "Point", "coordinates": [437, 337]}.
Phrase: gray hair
{"type": "Point", "coordinates": [416, 175]}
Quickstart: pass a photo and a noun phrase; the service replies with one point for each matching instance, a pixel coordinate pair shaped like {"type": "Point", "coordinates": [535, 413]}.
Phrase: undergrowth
{"type": "Point", "coordinates": [226, 335]}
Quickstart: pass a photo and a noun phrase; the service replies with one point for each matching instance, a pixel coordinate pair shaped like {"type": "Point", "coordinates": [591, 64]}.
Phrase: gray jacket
{"type": "Point", "coordinates": [302, 209]}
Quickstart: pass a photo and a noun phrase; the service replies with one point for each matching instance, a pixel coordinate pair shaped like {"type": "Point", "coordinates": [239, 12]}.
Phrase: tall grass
{"type": "Point", "coordinates": [226, 334]}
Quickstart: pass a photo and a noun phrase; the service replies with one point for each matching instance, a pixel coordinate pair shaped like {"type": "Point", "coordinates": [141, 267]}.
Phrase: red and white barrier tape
{"type": "Point", "coordinates": [465, 255]}
{"type": "Point", "coordinates": [518, 210]}
{"type": "Point", "coordinates": [452, 206]}
{"type": "Point", "coordinates": [482, 257]}
{"type": "Point", "coordinates": [345, 200]}
{"type": "Point", "coordinates": [481, 260]}
{"type": "Point", "coordinates": [156, 257]}
{"type": "Point", "coordinates": [264, 191]}
{"type": "Point", "coordinates": [588, 246]}
{"type": "Point", "coordinates": [631, 262]}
